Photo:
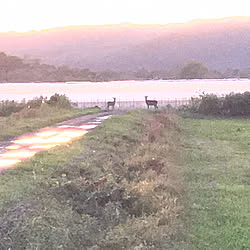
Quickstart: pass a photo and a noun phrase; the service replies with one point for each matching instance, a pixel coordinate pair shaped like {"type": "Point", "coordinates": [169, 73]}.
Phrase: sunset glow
{"type": "Point", "coordinates": [30, 15]}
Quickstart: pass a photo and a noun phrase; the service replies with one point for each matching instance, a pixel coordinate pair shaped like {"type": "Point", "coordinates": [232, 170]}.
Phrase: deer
{"type": "Point", "coordinates": [111, 104]}
{"type": "Point", "coordinates": [151, 102]}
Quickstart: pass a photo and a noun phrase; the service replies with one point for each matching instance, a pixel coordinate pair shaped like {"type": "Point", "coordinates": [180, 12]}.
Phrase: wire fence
{"type": "Point", "coordinates": [131, 104]}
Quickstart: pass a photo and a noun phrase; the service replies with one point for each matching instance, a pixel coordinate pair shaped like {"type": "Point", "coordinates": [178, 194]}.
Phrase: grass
{"type": "Point", "coordinates": [216, 163]}
{"type": "Point", "coordinates": [28, 120]}
{"type": "Point", "coordinates": [117, 188]}
{"type": "Point", "coordinates": [138, 181]}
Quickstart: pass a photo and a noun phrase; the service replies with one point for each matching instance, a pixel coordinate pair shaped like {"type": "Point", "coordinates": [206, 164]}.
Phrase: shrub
{"type": "Point", "coordinates": [60, 101]}
{"type": "Point", "coordinates": [36, 102]}
{"type": "Point", "coordinates": [210, 104]}
{"type": "Point", "coordinates": [9, 107]}
{"type": "Point", "coordinates": [237, 104]}
{"type": "Point", "coordinates": [232, 104]}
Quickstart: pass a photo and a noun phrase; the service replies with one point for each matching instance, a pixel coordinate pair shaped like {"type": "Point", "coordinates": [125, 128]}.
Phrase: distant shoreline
{"type": "Point", "coordinates": [132, 80]}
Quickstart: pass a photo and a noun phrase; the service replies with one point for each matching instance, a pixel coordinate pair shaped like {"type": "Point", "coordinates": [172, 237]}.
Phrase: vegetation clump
{"type": "Point", "coordinates": [210, 104]}
{"type": "Point", "coordinates": [237, 104]}
{"type": "Point", "coordinates": [9, 107]}
{"type": "Point", "coordinates": [36, 102]}
{"type": "Point", "coordinates": [56, 100]}
{"type": "Point", "coordinates": [233, 104]}
{"type": "Point", "coordinates": [59, 101]}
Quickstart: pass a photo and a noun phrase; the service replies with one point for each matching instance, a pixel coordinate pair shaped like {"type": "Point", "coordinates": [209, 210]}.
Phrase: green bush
{"type": "Point", "coordinates": [232, 104]}
{"type": "Point", "coordinates": [9, 107]}
{"type": "Point", "coordinates": [237, 104]}
{"type": "Point", "coordinates": [210, 104]}
{"type": "Point", "coordinates": [60, 101]}
{"type": "Point", "coordinates": [36, 102]}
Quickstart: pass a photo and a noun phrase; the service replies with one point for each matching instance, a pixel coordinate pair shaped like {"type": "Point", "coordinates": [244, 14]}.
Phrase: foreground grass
{"type": "Point", "coordinates": [28, 120]}
{"type": "Point", "coordinates": [216, 164]}
{"type": "Point", "coordinates": [120, 187]}
{"type": "Point", "coordinates": [117, 188]}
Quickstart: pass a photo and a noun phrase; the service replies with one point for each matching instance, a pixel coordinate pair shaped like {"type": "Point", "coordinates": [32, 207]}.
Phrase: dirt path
{"type": "Point", "coordinates": [27, 145]}
{"type": "Point", "coordinates": [78, 121]}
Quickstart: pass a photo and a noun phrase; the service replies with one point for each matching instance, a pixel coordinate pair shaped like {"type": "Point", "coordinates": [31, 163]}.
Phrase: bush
{"type": "Point", "coordinates": [210, 104]}
{"type": "Point", "coordinates": [237, 104]}
{"type": "Point", "coordinates": [60, 101]}
{"type": "Point", "coordinates": [9, 107]}
{"type": "Point", "coordinates": [36, 102]}
{"type": "Point", "coordinates": [232, 104]}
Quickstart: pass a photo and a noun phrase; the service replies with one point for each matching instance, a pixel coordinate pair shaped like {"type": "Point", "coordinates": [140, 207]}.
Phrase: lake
{"type": "Point", "coordinates": [124, 90]}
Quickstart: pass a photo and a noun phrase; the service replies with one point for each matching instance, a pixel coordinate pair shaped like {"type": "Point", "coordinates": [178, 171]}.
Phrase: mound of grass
{"type": "Point", "coordinates": [117, 188]}
{"type": "Point", "coordinates": [30, 119]}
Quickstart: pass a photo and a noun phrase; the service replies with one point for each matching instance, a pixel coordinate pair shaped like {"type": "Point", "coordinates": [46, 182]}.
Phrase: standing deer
{"type": "Point", "coordinates": [151, 102]}
{"type": "Point", "coordinates": [111, 104]}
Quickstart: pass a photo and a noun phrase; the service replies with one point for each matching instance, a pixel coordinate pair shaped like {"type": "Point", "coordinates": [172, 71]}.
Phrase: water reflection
{"type": "Point", "coordinates": [28, 145]}
{"type": "Point", "coordinates": [124, 90]}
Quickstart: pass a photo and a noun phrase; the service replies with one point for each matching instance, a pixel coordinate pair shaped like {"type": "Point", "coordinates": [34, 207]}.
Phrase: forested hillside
{"type": "Point", "coordinates": [220, 44]}
{"type": "Point", "coordinates": [16, 69]}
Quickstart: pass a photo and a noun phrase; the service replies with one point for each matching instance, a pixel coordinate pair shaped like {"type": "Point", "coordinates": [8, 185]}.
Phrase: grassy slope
{"type": "Point", "coordinates": [117, 188]}
{"type": "Point", "coordinates": [28, 120]}
{"type": "Point", "coordinates": [217, 170]}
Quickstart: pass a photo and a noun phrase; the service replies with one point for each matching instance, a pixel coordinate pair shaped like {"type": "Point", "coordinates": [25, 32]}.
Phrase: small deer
{"type": "Point", "coordinates": [111, 104]}
{"type": "Point", "coordinates": [151, 102]}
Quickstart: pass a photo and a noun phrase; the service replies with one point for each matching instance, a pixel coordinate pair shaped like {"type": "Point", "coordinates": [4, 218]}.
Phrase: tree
{"type": "Point", "coordinates": [9, 63]}
{"type": "Point", "coordinates": [193, 70]}
{"type": "Point", "coordinates": [142, 73]}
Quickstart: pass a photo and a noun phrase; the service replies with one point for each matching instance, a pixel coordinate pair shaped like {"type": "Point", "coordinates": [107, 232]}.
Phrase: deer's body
{"type": "Point", "coordinates": [151, 102]}
{"type": "Point", "coordinates": [111, 104]}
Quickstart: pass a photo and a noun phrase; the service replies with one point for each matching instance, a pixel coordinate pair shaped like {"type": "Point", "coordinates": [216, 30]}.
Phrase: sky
{"type": "Point", "coordinates": [27, 15]}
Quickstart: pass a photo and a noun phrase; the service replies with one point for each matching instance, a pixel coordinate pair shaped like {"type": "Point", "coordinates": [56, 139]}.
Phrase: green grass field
{"type": "Point", "coordinates": [216, 164]}
{"type": "Point", "coordinates": [144, 180]}
{"type": "Point", "coordinates": [28, 120]}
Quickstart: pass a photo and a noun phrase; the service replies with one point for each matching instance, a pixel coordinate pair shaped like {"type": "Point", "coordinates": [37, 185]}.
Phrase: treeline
{"type": "Point", "coordinates": [15, 69]}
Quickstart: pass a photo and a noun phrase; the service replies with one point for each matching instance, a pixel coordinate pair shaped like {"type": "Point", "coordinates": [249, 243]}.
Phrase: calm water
{"type": "Point", "coordinates": [124, 90]}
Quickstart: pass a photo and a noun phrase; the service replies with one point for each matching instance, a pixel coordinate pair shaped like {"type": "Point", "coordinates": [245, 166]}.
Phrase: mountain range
{"type": "Point", "coordinates": [218, 43]}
